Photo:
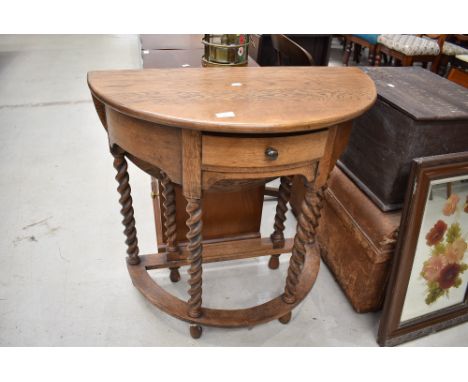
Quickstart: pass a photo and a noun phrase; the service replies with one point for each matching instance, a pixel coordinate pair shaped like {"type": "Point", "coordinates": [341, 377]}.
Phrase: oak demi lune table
{"type": "Point", "coordinates": [224, 129]}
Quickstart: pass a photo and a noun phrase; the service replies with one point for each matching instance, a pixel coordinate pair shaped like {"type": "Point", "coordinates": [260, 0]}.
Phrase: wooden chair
{"type": "Point", "coordinates": [454, 46]}
{"type": "Point", "coordinates": [256, 47]}
{"type": "Point", "coordinates": [458, 76]}
{"type": "Point", "coordinates": [359, 41]}
{"type": "Point", "coordinates": [460, 61]}
{"type": "Point", "coordinates": [408, 49]}
{"type": "Point", "coordinates": [289, 53]}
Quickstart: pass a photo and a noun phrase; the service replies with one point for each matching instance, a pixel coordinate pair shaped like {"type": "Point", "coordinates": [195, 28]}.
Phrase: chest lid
{"type": "Point", "coordinates": [420, 93]}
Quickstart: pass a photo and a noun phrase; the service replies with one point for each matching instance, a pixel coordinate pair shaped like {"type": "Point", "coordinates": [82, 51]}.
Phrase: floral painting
{"type": "Point", "coordinates": [440, 270]}
{"type": "Point", "coordinates": [445, 265]}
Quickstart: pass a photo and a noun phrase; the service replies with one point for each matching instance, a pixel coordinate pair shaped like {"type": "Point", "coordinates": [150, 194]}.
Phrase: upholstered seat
{"type": "Point", "coordinates": [370, 38]}
{"type": "Point", "coordinates": [410, 45]}
{"type": "Point", "coordinates": [360, 41]}
{"type": "Point", "coordinates": [450, 49]}
{"type": "Point", "coordinates": [463, 57]}
{"type": "Point", "coordinates": [451, 53]}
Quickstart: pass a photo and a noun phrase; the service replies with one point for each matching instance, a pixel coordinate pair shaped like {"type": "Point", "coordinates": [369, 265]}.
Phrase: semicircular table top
{"type": "Point", "coordinates": [238, 100]}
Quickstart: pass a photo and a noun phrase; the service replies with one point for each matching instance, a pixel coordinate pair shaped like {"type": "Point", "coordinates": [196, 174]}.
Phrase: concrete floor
{"type": "Point", "coordinates": [63, 279]}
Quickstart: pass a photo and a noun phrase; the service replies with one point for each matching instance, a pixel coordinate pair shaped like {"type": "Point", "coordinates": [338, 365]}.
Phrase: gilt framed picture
{"type": "Point", "coordinates": [428, 286]}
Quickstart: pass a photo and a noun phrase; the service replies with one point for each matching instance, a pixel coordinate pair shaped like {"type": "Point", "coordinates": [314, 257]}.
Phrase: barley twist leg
{"type": "Point", "coordinates": [277, 237]}
{"type": "Point", "coordinates": [305, 235]}
{"type": "Point", "coordinates": [120, 164]}
{"type": "Point", "coordinates": [194, 236]}
{"type": "Point", "coordinates": [170, 221]}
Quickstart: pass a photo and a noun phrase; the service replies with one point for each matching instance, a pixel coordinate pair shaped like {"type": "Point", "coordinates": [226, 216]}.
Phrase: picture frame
{"type": "Point", "coordinates": [428, 285]}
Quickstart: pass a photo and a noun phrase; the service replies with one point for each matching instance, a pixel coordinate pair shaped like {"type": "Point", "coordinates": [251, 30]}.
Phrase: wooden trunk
{"type": "Point", "coordinates": [417, 114]}
{"type": "Point", "coordinates": [356, 241]}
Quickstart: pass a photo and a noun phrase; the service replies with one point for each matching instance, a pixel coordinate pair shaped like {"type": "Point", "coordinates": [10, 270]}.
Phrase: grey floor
{"type": "Point", "coordinates": [63, 279]}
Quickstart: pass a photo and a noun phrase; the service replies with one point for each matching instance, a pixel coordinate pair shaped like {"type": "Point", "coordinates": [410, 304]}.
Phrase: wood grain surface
{"type": "Point", "coordinates": [250, 152]}
{"type": "Point", "coordinates": [265, 100]}
{"type": "Point", "coordinates": [191, 164]}
{"type": "Point", "coordinates": [417, 114]}
{"type": "Point", "coordinates": [420, 93]}
{"type": "Point", "coordinates": [219, 251]}
{"type": "Point", "coordinates": [234, 318]}
{"type": "Point", "coordinates": [140, 139]}
{"type": "Point", "coordinates": [207, 127]}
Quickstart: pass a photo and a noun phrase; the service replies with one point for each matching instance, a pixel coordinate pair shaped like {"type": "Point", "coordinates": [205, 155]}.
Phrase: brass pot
{"type": "Point", "coordinates": [226, 49]}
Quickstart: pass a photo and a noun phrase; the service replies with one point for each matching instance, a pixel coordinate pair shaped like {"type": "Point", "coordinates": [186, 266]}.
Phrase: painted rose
{"type": "Point", "coordinates": [448, 275]}
{"type": "Point", "coordinates": [433, 267]}
{"type": "Point", "coordinates": [436, 234]}
{"type": "Point", "coordinates": [455, 251]}
{"type": "Point", "coordinates": [451, 205]}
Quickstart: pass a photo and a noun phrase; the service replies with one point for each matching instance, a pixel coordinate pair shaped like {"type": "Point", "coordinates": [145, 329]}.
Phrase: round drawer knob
{"type": "Point", "coordinates": [271, 153]}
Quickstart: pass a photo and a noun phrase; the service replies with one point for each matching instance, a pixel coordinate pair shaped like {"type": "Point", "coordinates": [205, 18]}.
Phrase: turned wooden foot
{"type": "Point", "coordinates": [174, 275]}
{"type": "Point", "coordinates": [286, 318]}
{"type": "Point", "coordinates": [196, 331]}
{"type": "Point", "coordinates": [274, 262]}
{"type": "Point", "coordinates": [170, 224]}
{"type": "Point", "coordinates": [371, 57]}
{"type": "Point", "coordinates": [377, 58]}
{"type": "Point", "coordinates": [134, 260]}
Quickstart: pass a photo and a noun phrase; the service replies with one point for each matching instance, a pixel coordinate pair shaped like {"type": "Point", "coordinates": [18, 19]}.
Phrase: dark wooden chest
{"type": "Point", "coordinates": [417, 114]}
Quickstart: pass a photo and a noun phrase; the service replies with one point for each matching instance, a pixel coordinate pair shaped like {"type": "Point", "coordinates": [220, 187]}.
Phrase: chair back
{"type": "Point", "coordinates": [289, 53]}
{"type": "Point", "coordinates": [462, 40]}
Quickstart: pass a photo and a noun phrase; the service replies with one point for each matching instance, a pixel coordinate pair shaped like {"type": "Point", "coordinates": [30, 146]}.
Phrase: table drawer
{"type": "Point", "coordinates": [247, 152]}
